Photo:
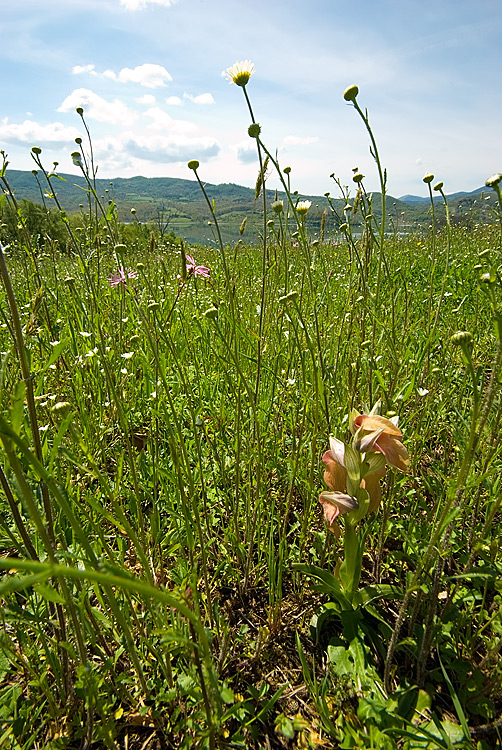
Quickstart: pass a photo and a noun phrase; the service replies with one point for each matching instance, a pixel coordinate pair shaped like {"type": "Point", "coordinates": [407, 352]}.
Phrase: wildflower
{"type": "Point", "coordinates": [381, 435]}
{"type": "Point", "coordinates": [380, 440]}
{"type": "Point", "coordinates": [494, 180]}
{"type": "Point", "coordinates": [240, 72]}
{"type": "Point", "coordinates": [195, 270]}
{"type": "Point", "coordinates": [122, 276]}
{"type": "Point", "coordinates": [302, 207]}
{"type": "Point", "coordinates": [335, 476]}
{"type": "Point", "coordinates": [335, 504]}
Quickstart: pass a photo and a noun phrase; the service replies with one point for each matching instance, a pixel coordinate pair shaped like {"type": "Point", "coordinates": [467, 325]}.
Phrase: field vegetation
{"type": "Point", "coordinates": [250, 494]}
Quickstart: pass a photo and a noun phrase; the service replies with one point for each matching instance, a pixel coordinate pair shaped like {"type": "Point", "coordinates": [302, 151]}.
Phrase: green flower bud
{"type": "Point", "coordinates": [288, 297]}
{"type": "Point", "coordinates": [286, 170]}
{"type": "Point", "coordinates": [277, 207]}
{"type": "Point", "coordinates": [61, 406]}
{"type": "Point", "coordinates": [193, 164]}
{"type": "Point", "coordinates": [427, 178]}
{"type": "Point", "coordinates": [211, 313]}
{"type": "Point", "coordinates": [79, 111]}
{"type": "Point", "coordinates": [462, 338]}
{"type": "Point", "coordinates": [254, 130]}
{"type": "Point", "coordinates": [358, 177]}
{"type": "Point", "coordinates": [438, 186]}
{"type": "Point", "coordinates": [351, 93]}
{"type": "Point", "coordinates": [36, 150]}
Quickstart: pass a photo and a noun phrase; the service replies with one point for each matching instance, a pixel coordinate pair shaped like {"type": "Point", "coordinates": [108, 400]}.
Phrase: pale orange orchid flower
{"type": "Point", "coordinates": [388, 441]}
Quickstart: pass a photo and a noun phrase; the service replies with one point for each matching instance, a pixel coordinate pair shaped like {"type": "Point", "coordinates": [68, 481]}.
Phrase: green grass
{"type": "Point", "coordinates": [168, 580]}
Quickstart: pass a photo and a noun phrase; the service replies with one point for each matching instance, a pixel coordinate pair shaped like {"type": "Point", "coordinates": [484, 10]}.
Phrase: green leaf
{"type": "Point", "coordinates": [326, 583]}
{"type": "Point", "coordinates": [49, 592]}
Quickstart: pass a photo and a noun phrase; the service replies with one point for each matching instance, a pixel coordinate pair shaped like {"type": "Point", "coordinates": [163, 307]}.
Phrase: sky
{"type": "Point", "coordinates": [149, 75]}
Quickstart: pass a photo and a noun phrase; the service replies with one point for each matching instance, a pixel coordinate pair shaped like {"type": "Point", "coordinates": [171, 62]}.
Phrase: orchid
{"type": "Point", "coordinates": [374, 433]}
{"type": "Point", "coordinates": [377, 441]}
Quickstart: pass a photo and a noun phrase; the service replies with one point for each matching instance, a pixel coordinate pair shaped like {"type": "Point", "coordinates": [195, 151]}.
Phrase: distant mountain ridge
{"type": "Point", "coordinates": [183, 201]}
{"type": "Point", "coordinates": [418, 199]}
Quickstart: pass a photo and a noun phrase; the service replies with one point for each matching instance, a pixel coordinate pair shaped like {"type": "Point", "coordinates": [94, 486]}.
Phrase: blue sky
{"type": "Point", "coordinates": [148, 74]}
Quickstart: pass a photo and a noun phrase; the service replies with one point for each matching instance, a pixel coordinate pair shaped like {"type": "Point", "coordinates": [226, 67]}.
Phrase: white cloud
{"type": "Point", "coordinates": [97, 108]}
{"type": "Point", "coordinates": [160, 120]}
{"type": "Point", "coordinates": [174, 101]}
{"type": "Point", "coordinates": [150, 75]}
{"type": "Point", "coordinates": [147, 99]}
{"type": "Point", "coordinates": [246, 152]}
{"type": "Point", "coordinates": [200, 99]}
{"type": "Point", "coordinates": [162, 149]}
{"type": "Point", "coordinates": [294, 140]}
{"type": "Point", "coordinates": [140, 4]}
{"type": "Point", "coordinates": [55, 133]}
{"type": "Point", "coordinates": [79, 69]}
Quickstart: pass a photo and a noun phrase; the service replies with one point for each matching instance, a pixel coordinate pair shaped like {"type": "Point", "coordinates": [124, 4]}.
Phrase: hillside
{"type": "Point", "coordinates": [182, 200]}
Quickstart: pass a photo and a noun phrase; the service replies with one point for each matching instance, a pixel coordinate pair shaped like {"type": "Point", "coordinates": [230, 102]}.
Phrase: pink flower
{"type": "Point", "coordinates": [195, 270]}
{"type": "Point", "coordinates": [122, 277]}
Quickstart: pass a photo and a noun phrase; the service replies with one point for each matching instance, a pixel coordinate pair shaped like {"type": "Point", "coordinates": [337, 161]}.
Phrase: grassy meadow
{"type": "Point", "coordinates": [169, 576]}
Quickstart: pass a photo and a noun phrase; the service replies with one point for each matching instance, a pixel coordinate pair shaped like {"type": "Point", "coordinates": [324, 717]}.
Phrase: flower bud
{"type": "Point", "coordinates": [36, 150]}
{"type": "Point", "coordinates": [427, 178]}
{"type": "Point", "coordinates": [461, 338]}
{"type": "Point", "coordinates": [254, 130]}
{"type": "Point", "coordinates": [211, 313]}
{"type": "Point", "coordinates": [351, 93]}
{"type": "Point", "coordinates": [438, 186]}
{"type": "Point", "coordinates": [193, 164]}
{"type": "Point", "coordinates": [277, 207]}
{"type": "Point", "coordinates": [494, 180]}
